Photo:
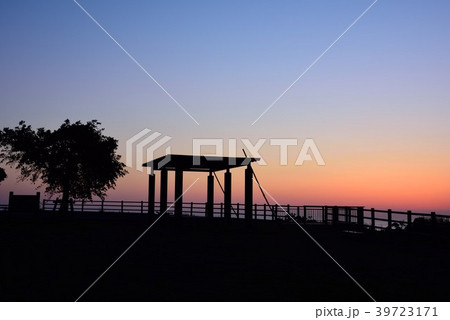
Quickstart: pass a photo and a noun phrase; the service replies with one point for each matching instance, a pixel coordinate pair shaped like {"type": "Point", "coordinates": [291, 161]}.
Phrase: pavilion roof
{"type": "Point", "coordinates": [173, 162]}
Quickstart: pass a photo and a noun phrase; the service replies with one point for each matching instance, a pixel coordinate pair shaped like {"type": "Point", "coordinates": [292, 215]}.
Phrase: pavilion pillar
{"type": "Point", "coordinates": [227, 195]}
{"type": "Point", "coordinates": [248, 193]}
{"type": "Point", "coordinates": [210, 197]}
{"type": "Point", "coordinates": [178, 193]}
{"type": "Point", "coordinates": [163, 192]}
{"type": "Point", "coordinates": [151, 194]}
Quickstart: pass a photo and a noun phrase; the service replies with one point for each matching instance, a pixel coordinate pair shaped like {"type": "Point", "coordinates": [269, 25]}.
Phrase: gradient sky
{"type": "Point", "coordinates": [377, 104]}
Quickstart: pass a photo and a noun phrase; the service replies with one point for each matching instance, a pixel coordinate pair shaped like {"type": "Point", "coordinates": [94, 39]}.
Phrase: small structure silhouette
{"type": "Point", "coordinates": [24, 203]}
{"type": "Point", "coordinates": [210, 164]}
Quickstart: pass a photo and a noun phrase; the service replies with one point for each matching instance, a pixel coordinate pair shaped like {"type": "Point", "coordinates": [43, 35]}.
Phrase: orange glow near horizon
{"type": "Point", "coordinates": [367, 181]}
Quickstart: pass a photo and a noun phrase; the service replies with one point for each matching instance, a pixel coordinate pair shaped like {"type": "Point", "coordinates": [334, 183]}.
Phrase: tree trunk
{"type": "Point", "coordinates": [64, 208]}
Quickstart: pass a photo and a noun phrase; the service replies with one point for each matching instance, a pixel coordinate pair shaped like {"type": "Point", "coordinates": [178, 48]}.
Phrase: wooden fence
{"type": "Point", "coordinates": [345, 215]}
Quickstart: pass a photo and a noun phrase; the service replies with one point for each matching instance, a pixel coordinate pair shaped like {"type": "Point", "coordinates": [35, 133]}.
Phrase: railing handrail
{"type": "Point", "coordinates": [306, 213]}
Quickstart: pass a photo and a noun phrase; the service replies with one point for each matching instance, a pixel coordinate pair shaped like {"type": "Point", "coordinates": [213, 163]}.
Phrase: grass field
{"type": "Point", "coordinates": [55, 258]}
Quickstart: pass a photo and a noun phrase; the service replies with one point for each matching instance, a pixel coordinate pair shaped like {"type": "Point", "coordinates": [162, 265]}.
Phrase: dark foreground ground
{"type": "Point", "coordinates": [55, 258]}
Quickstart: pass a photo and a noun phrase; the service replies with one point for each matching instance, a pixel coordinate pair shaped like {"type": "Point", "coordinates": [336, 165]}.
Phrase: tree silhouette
{"type": "Point", "coordinates": [76, 160]}
{"type": "Point", "coordinates": [2, 174]}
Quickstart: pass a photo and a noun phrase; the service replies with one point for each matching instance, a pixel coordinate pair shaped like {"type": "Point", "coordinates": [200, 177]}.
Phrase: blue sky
{"type": "Point", "coordinates": [382, 89]}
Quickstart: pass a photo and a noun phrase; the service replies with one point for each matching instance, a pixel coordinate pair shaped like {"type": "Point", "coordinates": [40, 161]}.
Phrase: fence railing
{"type": "Point", "coordinates": [345, 215]}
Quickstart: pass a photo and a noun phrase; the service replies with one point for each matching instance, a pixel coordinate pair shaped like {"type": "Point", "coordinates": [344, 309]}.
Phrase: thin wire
{"type": "Point", "coordinates": [136, 62]}
{"type": "Point", "coordinates": [134, 242]}
{"type": "Point", "coordinates": [314, 62]}
{"type": "Point", "coordinates": [322, 248]}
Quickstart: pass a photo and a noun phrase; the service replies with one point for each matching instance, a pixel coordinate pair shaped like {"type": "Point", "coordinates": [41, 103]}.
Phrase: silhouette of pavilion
{"type": "Point", "coordinates": [211, 164]}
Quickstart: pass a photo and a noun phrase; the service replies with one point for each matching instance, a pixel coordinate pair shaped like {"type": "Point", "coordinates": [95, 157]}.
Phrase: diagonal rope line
{"type": "Point", "coordinates": [320, 246]}
{"type": "Point", "coordinates": [136, 62]}
{"type": "Point", "coordinates": [315, 61]}
{"type": "Point", "coordinates": [134, 242]}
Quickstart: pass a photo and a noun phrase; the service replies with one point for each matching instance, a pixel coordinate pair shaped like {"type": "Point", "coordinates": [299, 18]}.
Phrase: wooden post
{"type": "Point", "coordinates": [82, 206]}
{"type": "Point", "coordinates": [192, 208]}
{"type": "Point", "coordinates": [389, 219]}
{"type": "Point", "coordinates": [409, 217]}
{"type": "Point", "coordinates": [256, 211]}
{"type": "Point", "coordinates": [178, 193]}
{"type": "Point", "coordinates": [151, 194]}
{"type": "Point", "coordinates": [227, 194]}
{"type": "Point", "coordinates": [433, 218]}
{"type": "Point", "coordinates": [221, 209]}
{"type": "Point", "coordinates": [335, 215]}
{"type": "Point", "coordinates": [163, 192]}
{"type": "Point", "coordinates": [102, 206]}
{"type": "Point", "coordinates": [265, 213]}
{"type": "Point", "coordinates": [324, 219]}
{"type": "Point", "coordinates": [304, 214]}
{"type": "Point", "coordinates": [121, 206]}
{"type": "Point", "coordinates": [248, 193]}
{"type": "Point", "coordinates": [276, 212]}
{"type": "Point", "coordinates": [288, 210]}
{"type": "Point", "coordinates": [360, 216]}
{"type": "Point", "coordinates": [237, 210]}
{"type": "Point", "coordinates": [210, 196]}
{"type": "Point", "coordinates": [372, 218]}
{"type": "Point", "coordinates": [142, 206]}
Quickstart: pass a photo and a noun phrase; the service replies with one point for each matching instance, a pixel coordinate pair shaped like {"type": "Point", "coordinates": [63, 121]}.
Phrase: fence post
{"type": "Point", "coordinates": [298, 212]}
{"type": "Point", "coordinates": [256, 211]}
{"type": "Point", "coordinates": [324, 219]}
{"type": "Point", "coordinates": [304, 214]}
{"type": "Point", "coordinates": [372, 218]}
{"type": "Point", "coordinates": [275, 213]}
{"type": "Point", "coordinates": [433, 218]}
{"type": "Point", "coordinates": [82, 205]}
{"type": "Point", "coordinates": [409, 214]}
{"type": "Point", "coordinates": [237, 210]}
{"type": "Point", "coordinates": [121, 206]}
{"type": "Point", "coordinates": [360, 217]}
{"type": "Point", "coordinates": [192, 208]}
{"type": "Point", "coordinates": [265, 211]}
{"type": "Point", "coordinates": [325, 211]}
{"type": "Point", "coordinates": [142, 206]}
{"type": "Point", "coordinates": [335, 215]}
{"type": "Point", "coordinates": [288, 210]}
{"type": "Point", "coordinates": [101, 209]}
{"type": "Point", "coordinates": [221, 210]}
{"type": "Point", "coordinates": [389, 219]}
